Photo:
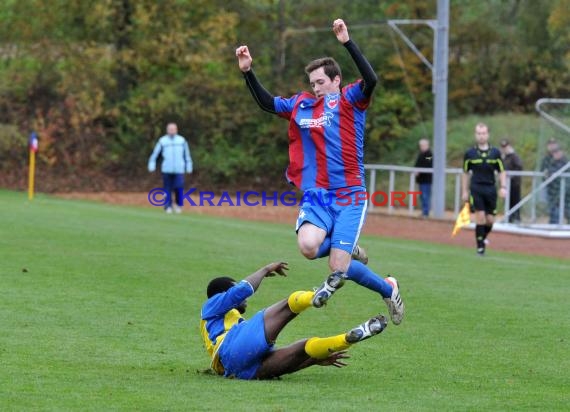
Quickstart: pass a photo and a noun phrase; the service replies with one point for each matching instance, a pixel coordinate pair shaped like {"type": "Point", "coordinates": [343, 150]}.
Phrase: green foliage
{"type": "Point", "coordinates": [98, 80]}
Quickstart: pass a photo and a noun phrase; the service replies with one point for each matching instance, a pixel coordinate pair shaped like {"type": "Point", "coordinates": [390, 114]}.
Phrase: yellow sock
{"type": "Point", "coordinates": [320, 348]}
{"type": "Point", "coordinates": [300, 300]}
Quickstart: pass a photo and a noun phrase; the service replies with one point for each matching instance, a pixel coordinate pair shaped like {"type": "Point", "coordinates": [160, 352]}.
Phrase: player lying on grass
{"type": "Point", "coordinates": [244, 349]}
{"type": "Point", "coordinates": [326, 147]}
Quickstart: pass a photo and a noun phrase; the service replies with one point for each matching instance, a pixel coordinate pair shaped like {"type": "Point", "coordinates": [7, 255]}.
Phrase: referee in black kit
{"type": "Point", "coordinates": [479, 166]}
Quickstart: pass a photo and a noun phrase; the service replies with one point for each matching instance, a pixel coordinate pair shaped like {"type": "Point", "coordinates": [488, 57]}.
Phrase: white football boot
{"type": "Point", "coordinates": [324, 292]}
{"type": "Point", "coordinates": [368, 329]}
{"type": "Point", "coordinates": [394, 302]}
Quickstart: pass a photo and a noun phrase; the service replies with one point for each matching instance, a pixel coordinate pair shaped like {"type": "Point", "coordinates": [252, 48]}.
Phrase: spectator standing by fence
{"type": "Point", "coordinates": [553, 190]}
{"type": "Point", "coordinates": [512, 162]}
{"type": "Point", "coordinates": [424, 180]}
{"type": "Point", "coordinates": [551, 146]}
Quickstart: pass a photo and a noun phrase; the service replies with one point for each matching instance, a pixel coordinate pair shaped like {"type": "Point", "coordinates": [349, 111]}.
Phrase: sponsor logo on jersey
{"type": "Point", "coordinates": [323, 120]}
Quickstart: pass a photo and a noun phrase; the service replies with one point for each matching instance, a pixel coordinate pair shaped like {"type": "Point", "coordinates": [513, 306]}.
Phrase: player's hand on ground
{"type": "Point", "coordinates": [334, 359]}
{"type": "Point", "coordinates": [244, 58]}
{"type": "Point", "coordinates": [341, 31]}
{"type": "Point", "coordinates": [276, 268]}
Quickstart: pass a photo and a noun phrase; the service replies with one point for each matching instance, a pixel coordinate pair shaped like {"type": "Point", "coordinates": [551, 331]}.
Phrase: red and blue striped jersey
{"type": "Point", "coordinates": [326, 138]}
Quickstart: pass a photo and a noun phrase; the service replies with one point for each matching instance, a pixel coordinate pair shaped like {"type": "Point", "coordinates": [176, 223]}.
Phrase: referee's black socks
{"type": "Point", "coordinates": [480, 233]}
{"type": "Point", "coordinates": [488, 229]}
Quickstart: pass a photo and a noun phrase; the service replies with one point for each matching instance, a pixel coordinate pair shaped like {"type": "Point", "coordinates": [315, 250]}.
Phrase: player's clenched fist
{"type": "Point", "coordinates": [340, 30]}
{"type": "Point", "coordinates": [244, 58]}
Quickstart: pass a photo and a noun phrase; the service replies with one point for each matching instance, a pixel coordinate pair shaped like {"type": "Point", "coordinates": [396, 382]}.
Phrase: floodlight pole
{"type": "Point", "coordinates": [440, 107]}
{"type": "Point", "coordinates": [439, 89]}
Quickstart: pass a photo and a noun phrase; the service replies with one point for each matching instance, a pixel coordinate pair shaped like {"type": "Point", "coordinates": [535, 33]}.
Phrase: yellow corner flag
{"type": "Point", "coordinates": [463, 219]}
{"type": "Point", "coordinates": [33, 148]}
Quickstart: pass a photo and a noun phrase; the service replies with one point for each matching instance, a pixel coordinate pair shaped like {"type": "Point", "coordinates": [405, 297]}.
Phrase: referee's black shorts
{"type": "Point", "coordinates": [484, 198]}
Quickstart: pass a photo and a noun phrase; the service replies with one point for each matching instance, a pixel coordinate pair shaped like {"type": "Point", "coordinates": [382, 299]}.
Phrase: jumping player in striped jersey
{"type": "Point", "coordinates": [326, 142]}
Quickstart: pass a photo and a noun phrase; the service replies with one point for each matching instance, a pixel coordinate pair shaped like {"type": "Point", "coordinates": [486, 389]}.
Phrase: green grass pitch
{"type": "Point", "coordinates": [100, 304]}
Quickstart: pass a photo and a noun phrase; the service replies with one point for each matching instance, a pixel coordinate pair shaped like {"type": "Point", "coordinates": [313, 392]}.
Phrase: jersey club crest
{"type": "Point", "coordinates": [332, 100]}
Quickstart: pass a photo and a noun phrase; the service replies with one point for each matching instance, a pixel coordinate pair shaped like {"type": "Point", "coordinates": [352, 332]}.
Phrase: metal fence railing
{"type": "Point", "coordinates": [405, 175]}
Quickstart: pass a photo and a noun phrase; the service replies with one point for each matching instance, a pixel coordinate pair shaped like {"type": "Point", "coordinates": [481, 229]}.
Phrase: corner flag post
{"type": "Point", "coordinates": [33, 148]}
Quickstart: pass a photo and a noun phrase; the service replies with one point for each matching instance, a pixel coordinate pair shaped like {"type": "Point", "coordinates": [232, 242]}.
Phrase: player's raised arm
{"type": "Point", "coordinates": [272, 269]}
{"type": "Point", "coordinates": [369, 78]}
{"type": "Point", "coordinates": [244, 58]}
{"type": "Point", "coordinates": [263, 98]}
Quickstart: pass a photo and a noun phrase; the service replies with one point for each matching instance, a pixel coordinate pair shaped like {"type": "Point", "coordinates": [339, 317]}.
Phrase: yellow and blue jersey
{"type": "Point", "coordinates": [219, 315]}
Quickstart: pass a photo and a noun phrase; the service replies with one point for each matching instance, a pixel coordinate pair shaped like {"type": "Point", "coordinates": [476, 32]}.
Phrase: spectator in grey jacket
{"type": "Point", "coordinates": [176, 161]}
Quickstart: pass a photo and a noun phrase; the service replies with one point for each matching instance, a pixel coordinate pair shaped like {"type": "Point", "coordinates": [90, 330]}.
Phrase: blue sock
{"type": "Point", "coordinates": [361, 274]}
{"type": "Point", "coordinates": [325, 248]}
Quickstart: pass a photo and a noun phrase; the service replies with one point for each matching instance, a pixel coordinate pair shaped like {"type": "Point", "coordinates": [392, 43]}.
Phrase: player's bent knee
{"type": "Point", "coordinates": [309, 240]}
{"type": "Point", "coordinates": [308, 249]}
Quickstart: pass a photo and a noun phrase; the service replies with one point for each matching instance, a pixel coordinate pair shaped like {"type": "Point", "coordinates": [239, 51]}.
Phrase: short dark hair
{"type": "Point", "coordinates": [485, 125]}
{"type": "Point", "coordinates": [331, 67]}
{"type": "Point", "coordinates": [219, 285]}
